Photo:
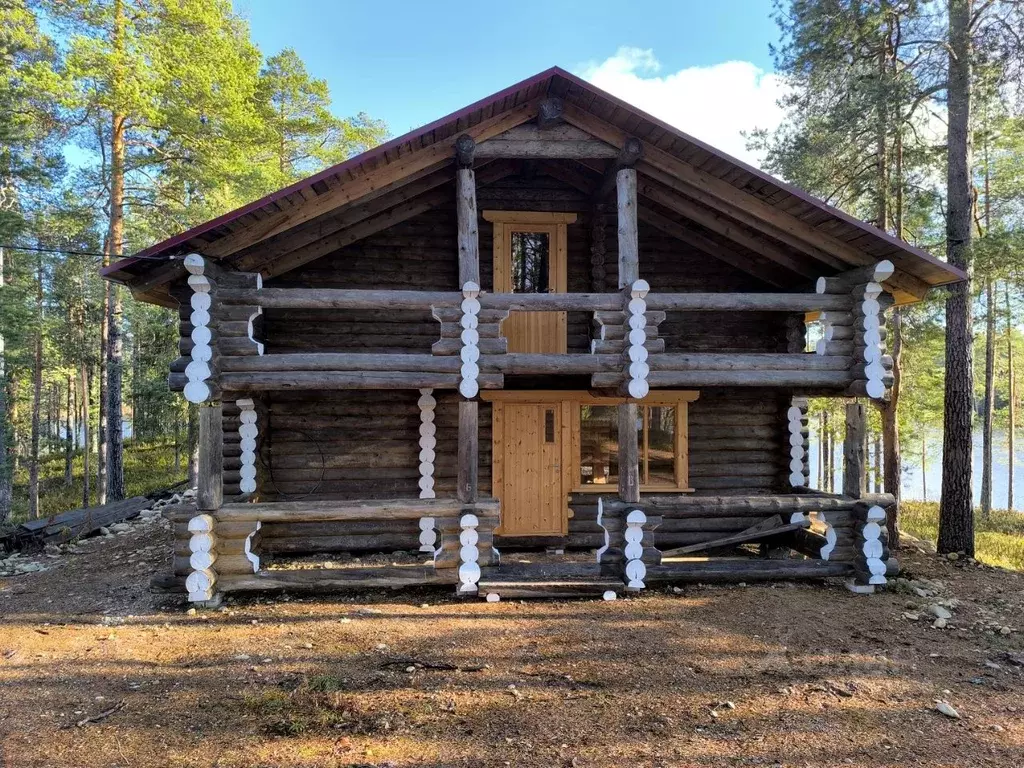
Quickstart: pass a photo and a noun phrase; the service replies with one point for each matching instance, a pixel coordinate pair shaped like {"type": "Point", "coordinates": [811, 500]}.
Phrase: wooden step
{"type": "Point", "coordinates": [551, 588]}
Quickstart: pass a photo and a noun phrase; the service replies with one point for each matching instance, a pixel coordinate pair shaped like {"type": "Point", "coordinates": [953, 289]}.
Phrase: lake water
{"type": "Point", "coordinates": [917, 484]}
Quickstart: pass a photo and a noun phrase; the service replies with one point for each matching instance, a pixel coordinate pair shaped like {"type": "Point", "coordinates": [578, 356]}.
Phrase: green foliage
{"type": "Point", "coordinates": [148, 468]}
{"type": "Point", "coordinates": [999, 540]}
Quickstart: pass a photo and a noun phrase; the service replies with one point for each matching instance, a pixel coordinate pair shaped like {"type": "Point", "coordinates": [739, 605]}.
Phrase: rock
{"type": "Point", "coordinates": [940, 623]}
{"type": "Point", "coordinates": [939, 612]}
{"type": "Point", "coordinates": [120, 527]}
{"type": "Point", "coordinates": [105, 531]}
{"type": "Point", "coordinates": [1005, 630]}
{"type": "Point", "coordinates": [191, 612]}
{"type": "Point", "coordinates": [946, 709]}
{"type": "Point", "coordinates": [996, 727]}
{"type": "Point", "coordinates": [910, 616]}
{"type": "Point", "coordinates": [952, 557]}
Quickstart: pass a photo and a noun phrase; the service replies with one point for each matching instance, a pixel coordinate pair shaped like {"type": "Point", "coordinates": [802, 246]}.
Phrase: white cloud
{"type": "Point", "coordinates": [714, 104]}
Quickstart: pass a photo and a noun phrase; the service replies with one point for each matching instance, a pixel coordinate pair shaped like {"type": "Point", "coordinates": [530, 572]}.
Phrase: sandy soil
{"type": "Point", "coordinates": [783, 674]}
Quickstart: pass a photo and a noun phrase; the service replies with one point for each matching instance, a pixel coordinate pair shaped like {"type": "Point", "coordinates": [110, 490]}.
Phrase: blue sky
{"type": "Point", "coordinates": [702, 66]}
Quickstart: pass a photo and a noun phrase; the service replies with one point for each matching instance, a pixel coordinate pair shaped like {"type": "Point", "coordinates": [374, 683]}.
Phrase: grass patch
{"type": "Point", "coordinates": [147, 468]}
{"type": "Point", "coordinates": [999, 541]}
{"type": "Point", "coordinates": [315, 706]}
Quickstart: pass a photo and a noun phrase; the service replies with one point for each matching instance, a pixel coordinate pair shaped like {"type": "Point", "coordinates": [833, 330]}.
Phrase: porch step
{"type": "Point", "coordinates": [551, 588]}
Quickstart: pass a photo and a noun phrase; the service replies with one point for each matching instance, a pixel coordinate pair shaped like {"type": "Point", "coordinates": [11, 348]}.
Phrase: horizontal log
{"type": "Point", "coordinates": [726, 570]}
{"type": "Point", "coordinates": [763, 302]}
{"type": "Point", "coordinates": [756, 361]}
{"type": "Point", "coordinates": [581, 149]}
{"type": "Point", "coordinates": [325, 511]}
{"type": "Point", "coordinates": [236, 382]}
{"type": "Point", "coordinates": [326, 579]}
{"type": "Point", "coordinates": [846, 281]}
{"type": "Point", "coordinates": [343, 298]}
{"type": "Point", "coordinates": [381, 542]}
{"type": "Point", "coordinates": [729, 378]}
{"type": "Point", "coordinates": [689, 506]}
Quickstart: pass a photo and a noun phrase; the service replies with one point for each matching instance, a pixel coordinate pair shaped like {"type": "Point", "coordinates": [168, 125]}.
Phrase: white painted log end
{"type": "Point", "coordinates": [201, 524]}
{"type": "Point", "coordinates": [638, 389]}
{"type": "Point", "coordinates": [470, 289]}
{"type": "Point", "coordinates": [251, 556]}
{"type": "Point", "coordinates": [639, 289]}
{"type": "Point", "coordinates": [884, 270]}
{"type": "Point", "coordinates": [194, 263]}
{"type": "Point", "coordinates": [821, 285]}
{"type": "Point", "coordinates": [469, 389]}
{"type": "Point", "coordinates": [610, 595]}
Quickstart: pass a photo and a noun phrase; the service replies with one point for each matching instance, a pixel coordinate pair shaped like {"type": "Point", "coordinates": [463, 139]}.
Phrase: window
{"type": "Point", "coordinates": [661, 461]}
{"type": "Point", "coordinates": [530, 261]}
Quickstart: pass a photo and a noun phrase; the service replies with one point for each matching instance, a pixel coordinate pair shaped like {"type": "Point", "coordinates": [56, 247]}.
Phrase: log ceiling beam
{"type": "Point", "coordinates": [748, 263]}
{"type": "Point", "coordinates": [728, 228]}
{"type": "Point", "coordinates": [377, 223]}
{"type": "Point", "coordinates": [741, 206]}
{"type": "Point", "coordinates": [584, 178]}
{"type": "Point", "coordinates": [349, 216]}
{"type": "Point", "coordinates": [356, 189]}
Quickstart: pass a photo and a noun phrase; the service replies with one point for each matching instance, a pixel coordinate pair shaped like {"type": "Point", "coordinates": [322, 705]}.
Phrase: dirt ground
{"type": "Point", "coordinates": [773, 674]}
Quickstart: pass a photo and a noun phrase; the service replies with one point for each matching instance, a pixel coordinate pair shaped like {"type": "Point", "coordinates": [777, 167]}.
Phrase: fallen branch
{"type": "Point", "coordinates": [102, 715]}
{"type": "Point", "coordinates": [442, 666]}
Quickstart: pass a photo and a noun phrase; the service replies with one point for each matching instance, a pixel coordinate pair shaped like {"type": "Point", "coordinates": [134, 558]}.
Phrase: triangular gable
{"type": "Point", "coordinates": [681, 178]}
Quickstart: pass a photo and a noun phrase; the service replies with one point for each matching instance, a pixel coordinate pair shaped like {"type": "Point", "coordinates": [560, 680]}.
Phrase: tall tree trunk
{"type": "Point", "coordinates": [924, 468]}
{"type": "Point", "coordinates": [114, 250]}
{"type": "Point", "coordinates": [989, 406]}
{"type": "Point", "coordinates": [69, 445]}
{"type": "Point", "coordinates": [1011, 426]}
{"type": "Point", "coordinates": [956, 518]}
{"type": "Point", "coordinates": [6, 495]}
{"type": "Point", "coordinates": [37, 393]}
{"type": "Point", "coordinates": [101, 426]}
{"type": "Point", "coordinates": [86, 442]}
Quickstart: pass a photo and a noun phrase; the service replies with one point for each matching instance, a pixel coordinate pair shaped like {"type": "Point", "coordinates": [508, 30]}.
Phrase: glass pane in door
{"type": "Point", "coordinates": [530, 262]}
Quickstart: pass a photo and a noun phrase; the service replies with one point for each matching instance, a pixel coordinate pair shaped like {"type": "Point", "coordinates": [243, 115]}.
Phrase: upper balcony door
{"type": "Point", "coordinates": [530, 257]}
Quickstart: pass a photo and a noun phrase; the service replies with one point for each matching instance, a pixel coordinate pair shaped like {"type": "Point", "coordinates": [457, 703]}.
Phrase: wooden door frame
{"type": "Point", "coordinates": [565, 439]}
{"type": "Point", "coordinates": [569, 402]}
{"type": "Point", "coordinates": [554, 225]}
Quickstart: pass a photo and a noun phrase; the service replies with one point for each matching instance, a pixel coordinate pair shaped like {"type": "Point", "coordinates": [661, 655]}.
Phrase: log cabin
{"type": "Point", "coordinates": [547, 321]}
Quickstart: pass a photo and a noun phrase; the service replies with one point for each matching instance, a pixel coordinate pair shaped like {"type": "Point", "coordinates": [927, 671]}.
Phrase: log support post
{"type": "Point", "coordinates": [469, 451]}
{"type": "Point", "coordinates": [853, 451]}
{"type": "Point", "coordinates": [629, 273]}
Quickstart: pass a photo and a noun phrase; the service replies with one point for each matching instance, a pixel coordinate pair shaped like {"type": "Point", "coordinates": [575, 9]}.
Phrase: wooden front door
{"type": "Point", "coordinates": [531, 258]}
{"type": "Point", "coordinates": [529, 446]}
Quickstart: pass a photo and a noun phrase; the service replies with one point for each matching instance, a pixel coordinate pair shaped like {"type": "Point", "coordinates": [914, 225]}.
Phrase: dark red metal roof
{"type": "Point", "coordinates": [556, 81]}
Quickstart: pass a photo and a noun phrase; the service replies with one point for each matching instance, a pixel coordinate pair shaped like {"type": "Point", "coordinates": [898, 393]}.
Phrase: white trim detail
{"type": "Point", "coordinates": [871, 545]}
{"type": "Point", "coordinates": [469, 554]}
{"type": "Point", "coordinates": [830, 538]}
{"type": "Point", "coordinates": [428, 536]}
{"type": "Point", "coordinates": [637, 368]}
{"type": "Point", "coordinates": [198, 370]}
{"type": "Point", "coordinates": [203, 548]}
{"type": "Point", "coordinates": [428, 449]}
{"type": "Point", "coordinates": [251, 556]}
{"type": "Point", "coordinates": [469, 387]}
{"type": "Point", "coordinates": [600, 524]}
{"type": "Point", "coordinates": [798, 456]}
{"type": "Point", "coordinates": [248, 432]}
{"type": "Point", "coordinates": [636, 571]}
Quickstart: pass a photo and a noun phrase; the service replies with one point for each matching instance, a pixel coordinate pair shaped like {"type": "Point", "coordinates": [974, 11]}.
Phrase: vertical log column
{"type": "Point", "coordinates": [469, 281]}
{"type": "Point", "coordinates": [202, 582]}
{"type": "Point", "coordinates": [629, 273]}
{"type": "Point", "coordinates": [853, 451]}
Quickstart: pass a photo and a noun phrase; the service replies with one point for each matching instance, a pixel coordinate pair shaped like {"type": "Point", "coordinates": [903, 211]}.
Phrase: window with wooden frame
{"type": "Point", "coordinates": [662, 438]}
{"type": "Point", "coordinates": [590, 442]}
{"type": "Point", "coordinates": [530, 256]}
